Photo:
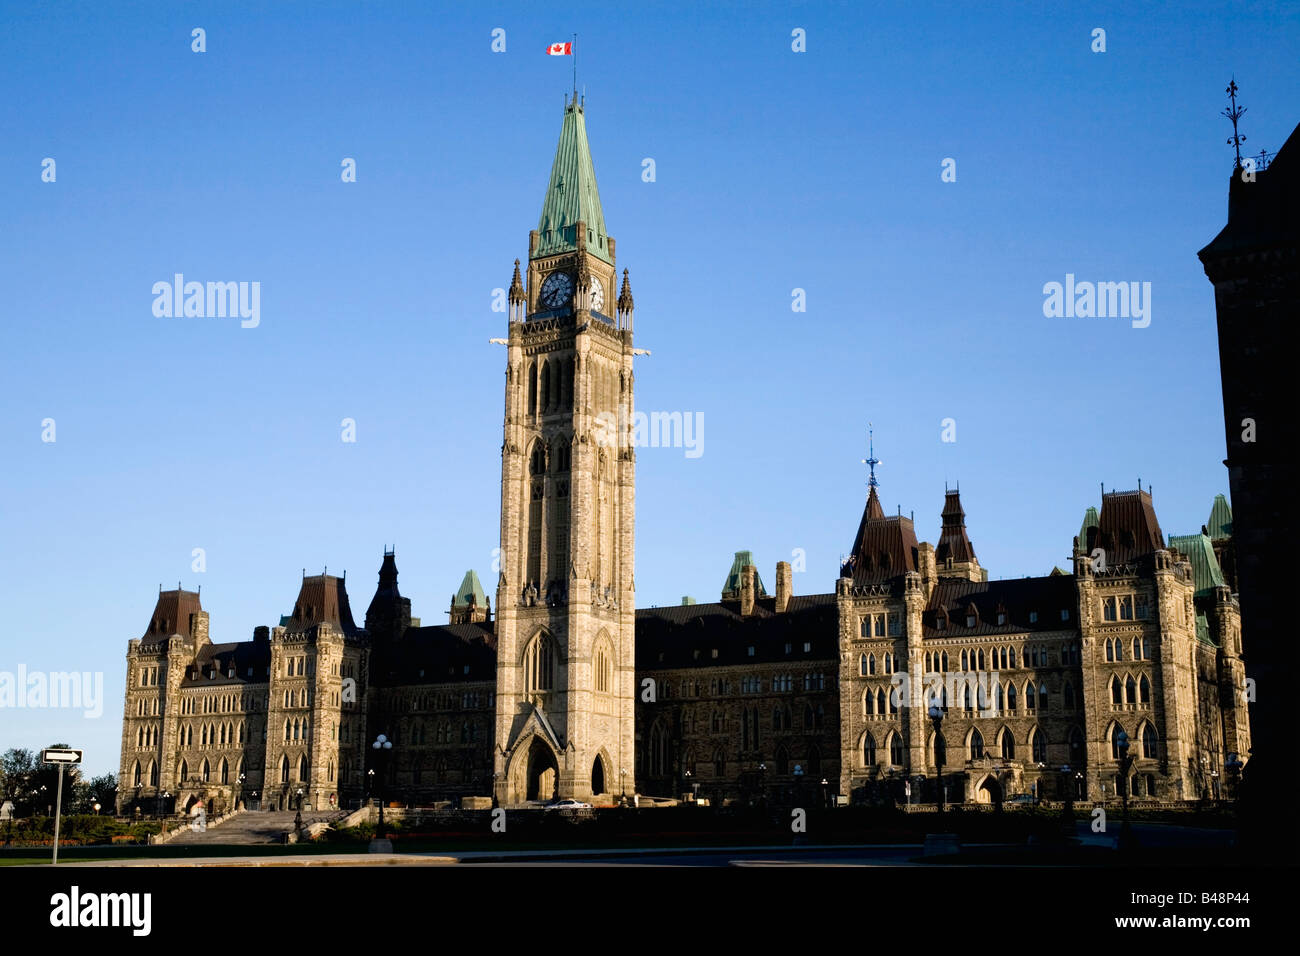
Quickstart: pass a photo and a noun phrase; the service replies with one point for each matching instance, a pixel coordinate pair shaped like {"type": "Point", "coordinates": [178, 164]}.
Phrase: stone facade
{"type": "Point", "coordinates": [913, 660]}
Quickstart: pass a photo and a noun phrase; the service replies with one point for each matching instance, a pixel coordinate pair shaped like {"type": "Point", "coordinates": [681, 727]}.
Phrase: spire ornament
{"type": "Point", "coordinates": [872, 461]}
{"type": "Point", "coordinates": [1234, 112]}
{"type": "Point", "coordinates": [516, 286]}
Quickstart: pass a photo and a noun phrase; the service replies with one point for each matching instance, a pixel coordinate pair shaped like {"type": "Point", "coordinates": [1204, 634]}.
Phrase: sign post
{"type": "Point", "coordinates": [61, 758]}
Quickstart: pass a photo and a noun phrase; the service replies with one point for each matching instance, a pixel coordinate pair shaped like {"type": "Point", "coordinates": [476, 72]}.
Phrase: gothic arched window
{"type": "Point", "coordinates": [896, 750]}
{"type": "Point", "coordinates": [1149, 742]}
{"type": "Point", "coordinates": [539, 664]}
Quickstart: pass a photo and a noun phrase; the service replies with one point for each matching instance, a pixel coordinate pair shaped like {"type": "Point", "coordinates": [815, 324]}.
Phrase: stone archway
{"type": "Point", "coordinates": [540, 771]}
{"type": "Point", "coordinates": [988, 791]}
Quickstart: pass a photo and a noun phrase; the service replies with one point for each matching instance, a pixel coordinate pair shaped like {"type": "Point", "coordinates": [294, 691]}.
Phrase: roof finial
{"type": "Point", "coordinates": [872, 461]}
{"type": "Point", "coordinates": [1233, 112]}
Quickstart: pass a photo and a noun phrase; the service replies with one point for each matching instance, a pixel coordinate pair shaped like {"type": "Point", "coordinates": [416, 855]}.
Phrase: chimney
{"type": "Point", "coordinates": [925, 563]}
{"type": "Point", "coordinates": [784, 579]}
{"type": "Point", "coordinates": [262, 633]}
{"type": "Point", "coordinates": [747, 576]}
{"type": "Point", "coordinates": [199, 626]}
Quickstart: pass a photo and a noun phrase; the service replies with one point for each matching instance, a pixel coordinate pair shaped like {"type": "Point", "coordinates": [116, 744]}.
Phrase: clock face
{"type": "Point", "coordinates": [556, 290]}
{"type": "Point", "coordinates": [597, 296]}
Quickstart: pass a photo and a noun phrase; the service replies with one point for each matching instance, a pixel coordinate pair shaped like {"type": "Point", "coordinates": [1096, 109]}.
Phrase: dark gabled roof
{"type": "Point", "coordinates": [442, 652]}
{"type": "Point", "coordinates": [241, 654]}
{"type": "Point", "coordinates": [1017, 597]}
{"type": "Point", "coordinates": [1127, 528]}
{"type": "Point", "coordinates": [668, 637]}
{"type": "Point", "coordinates": [322, 598]}
{"type": "Point", "coordinates": [885, 547]}
{"type": "Point", "coordinates": [171, 615]}
{"type": "Point", "coordinates": [1262, 214]}
{"type": "Point", "coordinates": [386, 592]}
{"type": "Point", "coordinates": [954, 543]}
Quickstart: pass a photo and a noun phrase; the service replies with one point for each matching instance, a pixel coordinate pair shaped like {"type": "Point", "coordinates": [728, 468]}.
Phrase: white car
{"type": "Point", "coordinates": [568, 805]}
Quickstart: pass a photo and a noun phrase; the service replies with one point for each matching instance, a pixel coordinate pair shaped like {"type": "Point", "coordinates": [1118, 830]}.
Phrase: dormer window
{"type": "Point", "coordinates": [1033, 617]}
{"type": "Point", "coordinates": [1002, 617]}
{"type": "Point", "coordinates": [1065, 614]}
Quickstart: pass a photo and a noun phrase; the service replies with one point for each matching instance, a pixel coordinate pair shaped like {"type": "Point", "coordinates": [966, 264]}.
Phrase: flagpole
{"type": "Point", "coordinates": [575, 66]}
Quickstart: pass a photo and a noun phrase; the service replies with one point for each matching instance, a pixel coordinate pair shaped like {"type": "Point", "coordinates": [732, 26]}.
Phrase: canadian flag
{"type": "Point", "coordinates": [560, 49]}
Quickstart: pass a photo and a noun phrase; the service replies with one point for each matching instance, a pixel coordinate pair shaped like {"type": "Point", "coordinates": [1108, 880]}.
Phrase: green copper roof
{"type": "Point", "coordinates": [1090, 520]}
{"type": "Point", "coordinates": [1205, 566]}
{"type": "Point", "coordinates": [469, 587]}
{"type": "Point", "coordinates": [572, 195]}
{"type": "Point", "coordinates": [733, 576]}
{"type": "Point", "coordinates": [1203, 629]}
{"type": "Point", "coordinates": [1220, 523]}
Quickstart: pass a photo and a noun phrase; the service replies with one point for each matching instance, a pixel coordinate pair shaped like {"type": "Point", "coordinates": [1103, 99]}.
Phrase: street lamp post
{"type": "Point", "coordinates": [936, 717]}
{"type": "Point", "coordinates": [762, 789]}
{"type": "Point", "coordinates": [622, 781]}
{"type": "Point", "coordinates": [239, 789]}
{"type": "Point", "coordinates": [382, 748]}
{"type": "Point", "coordinates": [96, 808]}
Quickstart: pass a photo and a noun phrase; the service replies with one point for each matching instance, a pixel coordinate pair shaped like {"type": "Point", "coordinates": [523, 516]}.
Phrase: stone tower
{"type": "Point", "coordinates": [565, 599]}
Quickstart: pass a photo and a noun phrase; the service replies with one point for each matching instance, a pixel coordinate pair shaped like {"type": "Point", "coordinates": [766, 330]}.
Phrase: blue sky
{"type": "Point", "coordinates": [775, 170]}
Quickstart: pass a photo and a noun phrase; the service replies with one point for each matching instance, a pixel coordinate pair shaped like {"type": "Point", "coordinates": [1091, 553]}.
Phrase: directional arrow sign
{"type": "Point", "coordinates": [61, 756]}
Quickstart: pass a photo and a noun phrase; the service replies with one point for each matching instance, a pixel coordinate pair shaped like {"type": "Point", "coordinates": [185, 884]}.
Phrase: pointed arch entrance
{"type": "Point", "coordinates": [598, 776]}
{"type": "Point", "coordinates": [989, 791]}
{"type": "Point", "coordinates": [534, 772]}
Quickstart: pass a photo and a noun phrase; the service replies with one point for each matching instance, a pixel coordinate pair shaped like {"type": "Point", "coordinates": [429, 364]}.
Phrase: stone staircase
{"type": "Point", "coordinates": [249, 827]}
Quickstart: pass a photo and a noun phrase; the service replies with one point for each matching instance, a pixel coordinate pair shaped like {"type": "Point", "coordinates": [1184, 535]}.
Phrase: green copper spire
{"type": "Point", "coordinates": [732, 585]}
{"type": "Point", "coordinates": [470, 591]}
{"type": "Point", "coordinates": [1090, 520]}
{"type": "Point", "coordinates": [1205, 566]}
{"type": "Point", "coordinates": [572, 195]}
{"type": "Point", "coordinates": [1220, 525]}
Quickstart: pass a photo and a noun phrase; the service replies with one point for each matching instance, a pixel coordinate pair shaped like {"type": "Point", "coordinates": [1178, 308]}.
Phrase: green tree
{"type": "Point", "coordinates": [33, 785]}
{"type": "Point", "coordinates": [17, 771]}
